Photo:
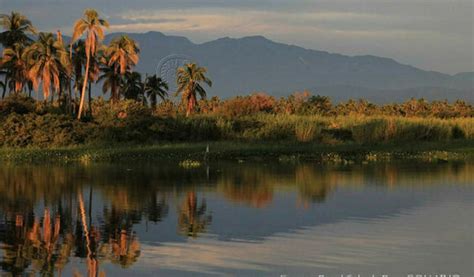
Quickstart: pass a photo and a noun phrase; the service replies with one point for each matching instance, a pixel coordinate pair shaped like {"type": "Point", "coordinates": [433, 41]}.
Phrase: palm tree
{"type": "Point", "coordinates": [16, 27]}
{"type": "Point", "coordinates": [47, 59]}
{"type": "Point", "coordinates": [112, 80]}
{"type": "Point", "coordinates": [14, 62]}
{"type": "Point", "coordinates": [121, 55]}
{"type": "Point", "coordinates": [92, 25]}
{"type": "Point", "coordinates": [133, 87]}
{"type": "Point", "coordinates": [189, 78]}
{"type": "Point", "coordinates": [155, 87]}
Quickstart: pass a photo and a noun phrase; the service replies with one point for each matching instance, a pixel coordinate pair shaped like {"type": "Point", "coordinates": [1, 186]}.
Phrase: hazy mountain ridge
{"type": "Point", "coordinates": [255, 63]}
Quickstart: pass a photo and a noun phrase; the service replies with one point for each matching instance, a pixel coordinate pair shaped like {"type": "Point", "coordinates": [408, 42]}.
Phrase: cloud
{"type": "Point", "coordinates": [245, 22]}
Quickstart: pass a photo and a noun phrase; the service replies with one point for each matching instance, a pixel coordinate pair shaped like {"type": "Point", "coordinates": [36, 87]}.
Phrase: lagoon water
{"type": "Point", "coordinates": [150, 219]}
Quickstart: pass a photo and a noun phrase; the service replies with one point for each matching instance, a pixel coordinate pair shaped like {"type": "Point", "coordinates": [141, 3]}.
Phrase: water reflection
{"type": "Point", "coordinates": [192, 216]}
{"type": "Point", "coordinates": [50, 216]}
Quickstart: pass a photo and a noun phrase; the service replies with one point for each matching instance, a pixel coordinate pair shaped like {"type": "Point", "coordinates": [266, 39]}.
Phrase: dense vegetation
{"type": "Point", "coordinates": [134, 113]}
{"type": "Point", "coordinates": [25, 122]}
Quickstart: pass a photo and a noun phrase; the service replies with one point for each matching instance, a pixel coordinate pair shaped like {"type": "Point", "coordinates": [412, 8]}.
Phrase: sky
{"type": "Point", "coordinates": [429, 34]}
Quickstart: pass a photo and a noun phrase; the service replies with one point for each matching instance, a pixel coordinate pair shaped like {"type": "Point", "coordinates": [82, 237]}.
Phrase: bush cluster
{"type": "Point", "coordinates": [302, 103]}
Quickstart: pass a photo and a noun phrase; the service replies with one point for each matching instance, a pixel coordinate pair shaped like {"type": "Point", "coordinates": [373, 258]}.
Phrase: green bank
{"type": "Point", "coordinates": [461, 150]}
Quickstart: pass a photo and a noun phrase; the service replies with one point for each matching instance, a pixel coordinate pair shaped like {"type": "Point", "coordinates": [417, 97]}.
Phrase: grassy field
{"type": "Point", "coordinates": [461, 150]}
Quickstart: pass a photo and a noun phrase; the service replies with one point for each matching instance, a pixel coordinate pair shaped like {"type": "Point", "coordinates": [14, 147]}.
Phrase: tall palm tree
{"type": "Point", "coordinates": [93, 26]}
{"type": "Point", "coordinates": [16, 67]}
{"type": "Point", "coordinates": [121, 55]}
{"type": "Point", "coordinates": [155, 87]}
{"type": "Point", "coordinates": [17, 27]}
{"type": "Point", "coordinates": [47, 59]}
{"type": "Point", "coordinates": [189, 78]}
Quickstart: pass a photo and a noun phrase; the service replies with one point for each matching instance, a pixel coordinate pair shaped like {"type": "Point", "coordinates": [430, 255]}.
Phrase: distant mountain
{"type": "Point", "coordinates": [250, 64]}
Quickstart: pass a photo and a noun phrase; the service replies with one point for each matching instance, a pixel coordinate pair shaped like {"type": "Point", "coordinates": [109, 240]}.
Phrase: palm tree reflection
{"type": "Point", "coordinates": [122, 248]}
{"type": "Point", "coordinates": [193, 218]}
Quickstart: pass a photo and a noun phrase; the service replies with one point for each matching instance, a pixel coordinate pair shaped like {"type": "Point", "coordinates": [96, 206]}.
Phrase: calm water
{"type": "Point", "coordinates": [237, 219]}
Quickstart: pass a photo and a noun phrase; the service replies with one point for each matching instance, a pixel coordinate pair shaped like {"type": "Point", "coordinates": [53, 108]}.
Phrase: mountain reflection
{"type": "Point", "coordinates": [51, 214]}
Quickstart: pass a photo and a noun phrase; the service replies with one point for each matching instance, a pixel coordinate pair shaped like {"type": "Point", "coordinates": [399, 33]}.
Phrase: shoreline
{"type": "Point", "coordinates": [462, 150]}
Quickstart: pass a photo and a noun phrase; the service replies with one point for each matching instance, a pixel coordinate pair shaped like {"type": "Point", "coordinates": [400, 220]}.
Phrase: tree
{"type": "Point", "coordinates": [16, 27]}
{"type": "Point", "coordinates": [319, 105]}
{"type": "Point", "coordinates": [121, 55]}
{"type": "Point", "coordinates": [188, 80]}
{"type": "Point", "coordinates": [155, 87]}
{"type": "Point", "coordinates": [93, 26]}
{"type": "Point", "coordinates": [47, 59]}
{"type": "Point", "coordinates": [112, 80]}
{"type": "Point", "coordinates": [78, 61]}
{"type": "Point", "coordinates": [133, 87]}
{"type": "Point", "coordinates": [14, 63]}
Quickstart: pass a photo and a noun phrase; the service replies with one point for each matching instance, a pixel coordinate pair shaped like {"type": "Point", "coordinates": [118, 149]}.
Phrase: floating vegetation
{"type": "Point", "coordinates": [189, 164]}
{"type": "Point", "coordinates": [288, 158]}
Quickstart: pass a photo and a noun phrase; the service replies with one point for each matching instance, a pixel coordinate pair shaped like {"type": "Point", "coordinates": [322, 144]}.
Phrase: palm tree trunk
{"type": "Point", "coordinates": [114, 92]}
{"type": "Point", "coordinates": [190, 105]}
{"type": "Point", "coordinates": [60, 93]}
{"type": "Point", "coordinates": [70, 96]}
{"type": "Point", "coordinates": [90, 97]}
{"type": "Point", "coordinates": [5, 87]}
{"type": "Point", "coordinates": [84, 85]}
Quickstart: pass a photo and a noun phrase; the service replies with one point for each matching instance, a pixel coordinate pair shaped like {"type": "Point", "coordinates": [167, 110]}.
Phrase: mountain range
{"type": "Point", "coordinates": [256, 64]}
{"type": "Point", "coordinates": [240, 66]}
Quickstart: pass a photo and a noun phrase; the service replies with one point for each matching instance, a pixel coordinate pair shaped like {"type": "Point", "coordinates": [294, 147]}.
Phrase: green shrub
{"type": "Point", "coordinates": [16, 103]}
{"type": "Point", "coordinates": [457, 132]}
{"type": "Point", "coordinates": [48, 130]}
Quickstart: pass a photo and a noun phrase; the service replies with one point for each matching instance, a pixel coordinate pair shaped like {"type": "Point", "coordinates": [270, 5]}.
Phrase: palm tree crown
{"type": "Point", "coordinates": [120, 56]}
{"type": "Point", "coordinates": [16, 28]}
{"type": "Point", "coordinates": [123, 53]}
{"type": "Point", "coordinates": [155, 87]}
{"type": "Point", "coordinates": [14, 62]}
{"type": "Point", "coordinates": [189, 78]}
{"type": "Point", "coordinates": [133, 86]}
{"type": "Point", "coordinates": [47, 59]}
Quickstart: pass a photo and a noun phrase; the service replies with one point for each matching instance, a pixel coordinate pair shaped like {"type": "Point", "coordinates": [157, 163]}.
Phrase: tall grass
{"type": "Point", "coordinates": [51, 130]}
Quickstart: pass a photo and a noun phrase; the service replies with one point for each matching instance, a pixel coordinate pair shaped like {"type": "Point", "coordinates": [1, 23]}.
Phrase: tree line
{"type": "Point", "coordinates": [48, 65]}
{"type": "Point", "coordinates": [65, 73]}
